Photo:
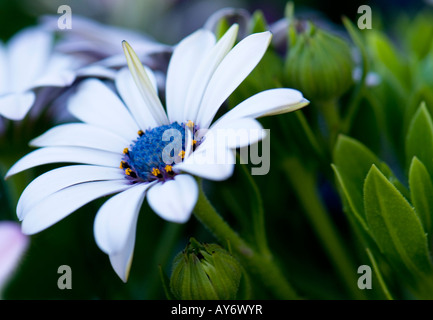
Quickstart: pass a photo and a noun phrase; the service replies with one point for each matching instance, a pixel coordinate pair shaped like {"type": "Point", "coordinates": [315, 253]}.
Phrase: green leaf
{"type": "Point", "coordinates": [352, 161]}
{"type": "Point", "coordinates": [289, 10]}
{"type": "Point", "coordinates": [394, 224]}
{"type": "Point", "coordinates": [419, 35]}
{"type": "Point", "coordinates": [386, 54]}
{"type": "Point", "coordinates": [165, 283]}
{"type": "Point", "coordinates": [419, 139]}
{"type": "Point", "coordinates": [349, 199]}
{"type": "Point", "coordinates": [422, 94]}
{"type": "Point", "coordinates": [354, 33]}
{"type": "Point", "coordinates": [257, 23]}
{"type": "Point", "coordinates": [221, 28]}
{"type": "Point", "coordinates": [379, 276]}
{"type": "Point", "coordinates": [421, 190]}
{"type": "Point", "coordinates": [360, 43]}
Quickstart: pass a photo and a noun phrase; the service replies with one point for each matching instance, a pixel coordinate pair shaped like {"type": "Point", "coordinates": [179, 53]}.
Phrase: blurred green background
{"type": "Point", "coordinates": [71, 242]}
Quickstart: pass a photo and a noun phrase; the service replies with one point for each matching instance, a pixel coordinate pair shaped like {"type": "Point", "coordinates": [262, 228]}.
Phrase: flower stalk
{"type": "Point", "coordinates": [303, 182]}
{"type": "Point", "coordinates": [258, 214]}
{"type": "Point", "coordinates": [330, 112]}
{"type": "Point", "coordinates": [264, 266]}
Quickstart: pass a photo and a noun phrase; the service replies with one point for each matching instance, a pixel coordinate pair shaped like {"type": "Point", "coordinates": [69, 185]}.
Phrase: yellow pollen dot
{"type": "Point", "coordinates": [190, 124]}
{"type": "Point", "coordinates": [140, 132]}
{"type": "Point", "coordinates": [125, 151]}
{"type": "Point", "coordinates": [156, 172]}
{"type": "Point", "coordinates": [194, 142]}
{"type": "Point", "coordinates": [128, 171]}
{"type": "Point", "coordinates": [168, 168]}
{"type": "Point", "coordinates": [182, 154]}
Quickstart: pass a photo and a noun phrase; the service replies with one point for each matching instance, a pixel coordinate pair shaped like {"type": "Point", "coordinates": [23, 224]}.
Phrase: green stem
{"type": "Point", "coordinates": [164, 249]}
{"type": "Point", "coordinates": [304, 185]}
{"type": "Point", "coordinates": [329, 110]}
{"type": "Point", "coordinates": [264, 266]}
{"type": "Point", "coordinates": [309, 134]}
{"type": "Point", "coordinates": [357, 93]}
{"type": "Point", "coordinates": [258, 214]}
{"type": "Point", "coordinates": [165, 283]}
{"type": "Point", "coordinates": [351, 111]}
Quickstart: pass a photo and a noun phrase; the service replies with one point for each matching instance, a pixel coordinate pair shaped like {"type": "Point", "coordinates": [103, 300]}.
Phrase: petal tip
{"type": "Point", "coordinates": [9, 174]}
{"type": "Point", "coordinates": [27, 229]}
{"type": "Point", "coordinates": [127, 49]}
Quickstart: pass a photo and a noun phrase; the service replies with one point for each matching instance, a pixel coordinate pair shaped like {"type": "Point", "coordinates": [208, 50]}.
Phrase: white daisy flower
{"type": "Point", "coordinates": [202, 74]}
{"type": "Point", "coordinates": [28, 62]}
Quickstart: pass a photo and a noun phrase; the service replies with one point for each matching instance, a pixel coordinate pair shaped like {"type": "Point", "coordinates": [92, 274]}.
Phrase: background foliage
{"type": "Point", "coordinates": [350, 181]}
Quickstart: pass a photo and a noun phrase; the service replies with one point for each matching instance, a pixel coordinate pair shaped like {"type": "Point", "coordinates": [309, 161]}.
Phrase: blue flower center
{"type": "Point", "coordinates": [152, 156]}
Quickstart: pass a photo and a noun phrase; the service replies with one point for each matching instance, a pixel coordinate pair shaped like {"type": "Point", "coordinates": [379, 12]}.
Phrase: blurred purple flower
{"type": "Point", "coordinates": [13, 244]}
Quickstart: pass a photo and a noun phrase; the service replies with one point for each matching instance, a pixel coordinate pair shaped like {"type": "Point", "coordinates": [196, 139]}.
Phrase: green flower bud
{"type": "Point", "coordinates": [318, 63]}
{"type": "Point", "coordinates": [205, 272]}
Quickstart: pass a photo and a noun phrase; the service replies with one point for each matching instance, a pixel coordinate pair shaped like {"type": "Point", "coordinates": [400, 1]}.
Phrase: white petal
{"type": "Point", "coordinates": [59, 71]}
{"type": "Point", "coordinates": [265, 103]}
{"type": "Point", "coordinates": [29, 51]}
{"type": "Point", "coordinates": [4, 67]}
{"type": "Point", "coordinates": [235, 67]}
{"type": "Point", "coordinates": [62, 203]}
{"type": "Point", "coordinates": [175, 199]}
{"type": "Point", "coordinates": [62, 78]}
{"type": "Point", "coordinates": [236, 134]}
{"type": "Point", "coordinates": [144, 84]}
{"type": "Point", "coordinates": [132, 97]}
{"type": "Point", "coordinates": [286, 109]}
{"type": "Point", "coordinates": [184, 63]}
{"type": "Point", "coordinates": [122, 260]}
{"type": "Point", "coordinates": [96, 71]}
{"type": "Point", "coordinates": [57, 179]}
{"type": "Point", "coordinates": [209, 163]}
{"type": "Point", "coordinates": [67, 155]}
{"type": "Point", "coordinates": [149, 72]}
{"type": "Point", "coordinates": [117, 217]}
{"type": "Point", "coordinates": [81, 135]}
{"type": "Point", "coordinates": [205, 71]}
{"type": "Point", "coordinates": [15, 106]}
{"type": "Point", "coordinates": [97, 105]}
